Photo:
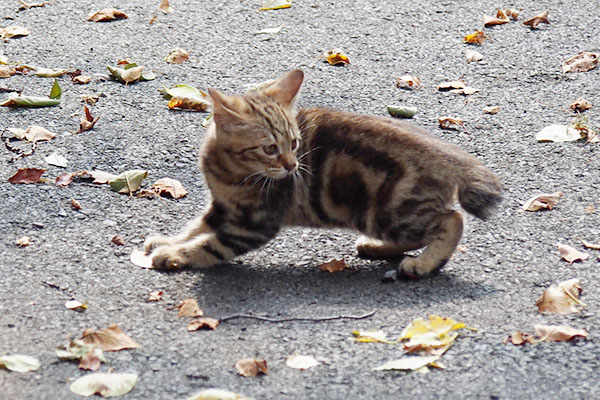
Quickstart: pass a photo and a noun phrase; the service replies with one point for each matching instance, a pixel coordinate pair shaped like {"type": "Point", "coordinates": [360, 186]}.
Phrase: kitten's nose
{"type": "Point", "coordinates": [289, 163]}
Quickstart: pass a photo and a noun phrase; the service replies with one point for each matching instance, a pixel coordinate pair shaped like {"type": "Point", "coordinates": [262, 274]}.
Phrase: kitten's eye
{"type": "Point", "coordinates": [271, 149]}
{"type": "Point", "coordinates": [295, 144]}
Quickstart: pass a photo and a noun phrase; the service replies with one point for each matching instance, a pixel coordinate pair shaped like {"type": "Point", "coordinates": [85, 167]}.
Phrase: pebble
{"type": "Point", "coordinates": [390, 276]}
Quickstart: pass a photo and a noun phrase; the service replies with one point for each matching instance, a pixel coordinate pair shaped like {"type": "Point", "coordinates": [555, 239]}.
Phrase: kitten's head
{"type": "Point", "coordinates": [258, 130]}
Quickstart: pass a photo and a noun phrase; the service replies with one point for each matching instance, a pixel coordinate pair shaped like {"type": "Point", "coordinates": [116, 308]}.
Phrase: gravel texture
{"type": "Point", "coordinates": [493, 285]}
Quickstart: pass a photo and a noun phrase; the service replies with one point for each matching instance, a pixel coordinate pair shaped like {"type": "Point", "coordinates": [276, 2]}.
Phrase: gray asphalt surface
{"type": "Point", "coordinates": [493, 285]}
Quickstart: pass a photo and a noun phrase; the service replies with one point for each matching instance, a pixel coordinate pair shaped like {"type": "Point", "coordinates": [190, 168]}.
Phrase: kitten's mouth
{"type": "Point", "coordinates": [278, 173]}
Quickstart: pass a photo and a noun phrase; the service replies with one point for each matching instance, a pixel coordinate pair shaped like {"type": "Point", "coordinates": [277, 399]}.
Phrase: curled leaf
{"type": "Point", "coordinates": [13, 31]}
{"type": "Point", "coordinates": [561, 299]}
{"type": "Point", "coordinates": [378, 336]}
{"type": "Point", "coordinates": [558, 333]}
{"type": "Point", "coordinates": [334, 266]}
{"type": "Point", "coordinates": [81, 79]}
{"type": "Point", "coordinates": [544, 201]}
{"type": "Point", "coordinates": [512, 13]}
{"type": "Point", "coordinates": [17, 100]}
{"type": "Point", "coordinates": [189, 308]}
{"type": "Point", "coordinates": [165, 7]}
{"type": "Point", "coordinates": [408, 82]}
{"type": "Point", "coordinates": [19, 363]}
{"type": "Point", "coordinates": [107, 14]}
{"type": "Point", "coordinates": [472, 55]}
{"type": "Point", "coordinates": [109, 339]}
{"type": "Point", "coordinates": [590, 245]}
{"type": "Point", "coordinates": [203, 323]}
{"type": "Point", "coordinates": [27, 175]}
{"type": "Point", "coordinates": [571, 254]}
{"type": "Point", "coordinates": [177, 56]}
{"type": "Point", "coordinates": [407, 363]}
{"type": "Point", "coordinates": [541, 18]}
{"type": "Point", "coordinates": [87, 122]}
{"type": "Point", "coordinates": [56, 91]}
{"type": "Point", "coordinates": [250, 367]}
{"type": "Point", "coordinates": [188, 103]}
{"type": "Point", "coordinates": [23, 241]}
{"type": "Point", "coordinates": [336, 57]}
{"type": "Point", "coordinates": [519, 338]}
{"type": "Point", "coordinates": [128, 181]}
{"type": "Point", "coordinates": [170, 187]}
{"type": "Point", "coordinates": [491, 110]}
{"type": "Point", "coordinates": [580, 105]}
{"type": "Point", "coordinates": [155, 295]}
{"type": "Point", "coordinates": [558, 133]}
{"type": "Point", "coordinates": [581, 62]}
{"type": "Point", "coordinates": [7, 71]}
{"type": "Point", "coordinates": [499, 19]}
{"type": "Point", "coordinates": [450, 123]}
{"type": "Point", "coordinates": [275, 4]}
{"type": "Point", "coordinates": [445, 86]}
{"type": "Point", "coordinates": [477, 37]}
{"type": "Point", "coordinates": [106, 385]}
{"type": "Point", "coordinates": [50, 72]}
{"type": "Point", "coordinates": [401, 111]}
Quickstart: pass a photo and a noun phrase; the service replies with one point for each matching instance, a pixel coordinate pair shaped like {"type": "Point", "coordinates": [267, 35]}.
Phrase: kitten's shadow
{"type": "Point", "coordinates": [283, 291]}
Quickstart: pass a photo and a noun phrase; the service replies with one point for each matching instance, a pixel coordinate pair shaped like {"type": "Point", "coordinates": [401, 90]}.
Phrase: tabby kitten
{"type": "Point", "coordinates": [268, 166]}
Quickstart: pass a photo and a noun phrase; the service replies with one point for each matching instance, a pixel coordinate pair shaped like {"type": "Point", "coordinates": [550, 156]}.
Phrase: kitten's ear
{"type": "Point", "coordinates": [286, 88]}
{"type": "Point", "coordinates": [228, 111]}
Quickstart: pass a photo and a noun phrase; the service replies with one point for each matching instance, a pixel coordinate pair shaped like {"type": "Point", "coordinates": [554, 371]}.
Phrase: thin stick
{"type": "Point", "coordinates": [321, 319]}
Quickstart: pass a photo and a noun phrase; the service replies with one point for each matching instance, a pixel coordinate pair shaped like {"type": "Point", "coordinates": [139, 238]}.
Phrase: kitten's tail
{"type": "Point", "coordinates": [481, 192]}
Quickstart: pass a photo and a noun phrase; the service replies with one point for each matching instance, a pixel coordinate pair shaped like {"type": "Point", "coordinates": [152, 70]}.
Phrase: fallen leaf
{"type": "Point", "coordinates": [250, 367]}
{"type": "Point", "coordinates": [13, 31]}
{"type": "Point", "coordinates": [155, 295]}
{"type": "Point", "coordinates": [17, 100]}
{"type": "Point", "coordinates": [491, 110]}
{"type": "Point", "coordinates": [450, 123]}
{"type": "Point", "coordinates": [118, 240]}
{"type": "Point", "coordinates": [106, 14]}
{"type": "Point", "coordinates": [203, 323]}
{"type": "Point", "coordinates": [185, 97]}
{"type": "Point", "coordinates": [378, 336]}
{"type": "Point", "coordinates": [140, 259]}
{"type": "Point", "coordinates": [467, 90]}
{"type": "Point", "coordinates": [558, 133]}
{"type": "Point", "coordinates": [436, 324]}
{"type": "Point", "coordinates": [90, 98]}
{"type": "Point", "coordinates": [106, 385]}
{"type": "Point", "coordinates": [87, 122]}
{"type": "Point", "coordinates": [131, 73]}
{"type": "Point", "coordinates": [188, 103]}
{"type": "Point", "coordinates": [477, 37]}
{"type": "Point", "coordinates": [408, 82]}
{"type": "Point", "coordinates": [25, 6]}
{"type": "Point", "coordinates": [81, 79]}
{"type": "Point", "coordinates": [571, 254]}
{"type": "Point", "coordinates": [56, 91]}
{"type": "Point", "coordinates": [250, 87]}
{"type": "Point", "coordinates": [544, 201]}
{"type": "Point", "coordinates": [23, 241]}
{"type": "Point", "coordinates": [109, 339]}
{"type": "Point", "coordinates": [472, 55]}
{"type": "Point", "coordinates": [75, 205]}
{"type": "Point", "coordinates": [407, 363]}
{"type": "Point", "coordinates": [76, 305]}
{"type": "Point", "coordinates": [558, 333]}
{"type": "Point", "coordinates": [64, 179]}
{"type": "Point", "coordinates": [512, 13]}
{"type": "Point", "coordinates": [128, 181]}
{"type": "Point", "coordinates": [401, 111]}
{"type": "Point", "coordinates": [165, 7]}
{"type": "Point", "coordinates": [269, 30]}
{"type": "Point", "coordinates": [581, 62]}
{"type": "Point", "coordinates": [541, 18]}
{"type": "Point", "coordinates": [275, 4]}
{"type": "Point", "coordinates": [56, 160]}
{"type": "Point", "coordinates": [6, 71]}
{"type": "Point", "coordinates": [519, 338]}
{"type": "Point", "coordinates": [189, 308]}
{"type": "Point", "coordinates": [446, 86]}
{"type": "Point", "coordinates": [217, 394]}
{"type": "Point", "coordinates": [169, 186]}
{"type": "Point", "coordinates": [99, 177]}
{"type": "Point", "coordinates": [177, 56]}
{"type": "Point", "coordinates": [37, 134]}
{"type": "Point", "coordinates": [333, 266]}
{"type": "Point", "coordinates": [336, 57]}
{"type": "Point", "coordinates": [301, 362]}
{"type": "Point", "coordinates": [590, 245]}
{"type": "Point", "coordinates": [499, 19]}
{"type": "Point", "coordinates": [561, 299]}
{"type": "Point", "coordinates": [19, 363]}
{"type": "Point", "coordinates": [582, 125]}
{"type": "Point", "coordinates": [50, 72]}
{"type": "Point", "coordinates": [89, 355]}
{"type": "Point", "coordinates": [27, 175]}
{"type": "Point", "coordinates": [580, 105]}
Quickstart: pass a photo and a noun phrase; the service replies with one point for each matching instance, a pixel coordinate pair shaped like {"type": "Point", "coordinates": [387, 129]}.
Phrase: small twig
{"type": "Point", "coordinates": [318, 319]}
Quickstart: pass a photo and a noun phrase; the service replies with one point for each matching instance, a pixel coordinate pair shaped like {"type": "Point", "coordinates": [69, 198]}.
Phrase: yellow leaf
{"type": "Point", "coordinates": [275, 4]}
{"type": "Point", "coordinates": [336, 57]}
{"type": "Point", "coordinates": [372, 337]}
{"type": "Point", "coordinates": [478, 37]}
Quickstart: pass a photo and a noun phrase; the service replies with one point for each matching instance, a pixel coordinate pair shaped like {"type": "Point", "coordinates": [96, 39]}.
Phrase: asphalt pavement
{"type": "Point", "coordinates": [492, 284]}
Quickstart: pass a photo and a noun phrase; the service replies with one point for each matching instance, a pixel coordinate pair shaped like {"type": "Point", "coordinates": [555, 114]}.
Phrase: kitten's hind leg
{"type": "Point", "coordinates": [441, 245]}
{"type": "Point", "coordinates": [378, 249]}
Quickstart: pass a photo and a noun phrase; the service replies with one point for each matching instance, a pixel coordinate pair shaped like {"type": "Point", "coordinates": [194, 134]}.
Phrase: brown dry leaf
{"type": "Point", "coordinates": [87, 122]}
{"type": "Point", "coordinates": [512, 13]}
{"type": "Point", "coordinates": [155, 295]}
{"type": "Point", "coordinates": [450, 123]}
{"type": "Point", "coordinates": [467, 90]}
{"type": "Point", "coordinates": [408, 82]}
{"type": "Point", "coordinates": [336, 57]}
{"type": "Point", "coordinates": [472, 55]}
{"type": "Point", "coordinates": [541, 18]}
{"type": "Point", "coordinates": [250, 367]}
{"type": "Point", "coordinates": [107, 14]}
{"type": "Point", "coordinates": [132, 74]}
{"type": "Point", "coordinates": [27, 175]}
{"type": "Point", "coordinates": [75, 205]}
{"type": "Point", "coordinates": [165, 7]}
{"type": "Point", "coordinates": [33, 134]}
{"type": "Point", "coordinates": [558, 333]}
{"type": "Point", "coordinates": [581, 62]}
{"type": "Point", "coordinates": [189, 308]}
{"type": "Point", "coordinates": [445, 86]}
{"type": "Point", "coordinates": [544, 201]}
{"type": "Point", "coordinates": [519, 338]}
{"type": "Point", "coordinates": [334, 266]}
{"type": "Point", "coordinates": [571, 254]}
{"type": "Point", "coordinates": [81, 79]}
{"type": "Point", "coordinates": [26, 6]}
{"type": "Point", "coordinates": [580, 105]}
{"type": "Point", "coordinates": [118, 240]}
{"type": "Point", "coordinates": [7, 71]}
{"type": "Point", "coordinates": [203, 323]}
{"type": "Point", "coordinates": [491, 110]}
{"type": "Point", "coordinates": [478, 37]}
{"type": "Point", "coordinates": [64, 179]}
{"type": "Point", "coordinates": [188, 103]}
{"type": "Point", "coordinates": [499, 19]}
{"type": "Point", "coordinates": [590, 245]}
{"type": "Point", "coordinates": [13, 31]}
{"type": "Point", "coordinates": [23, 241]}
{"type": "Point", "coordinates": [169, 186]}
{"type": "Point", "coordinates": [177, 56]}
{"type": "Point", "coordinates": [90, 361]}
{"type": "Point", "coordinates": [109, 339]}
{"type": "Point", "coordinates": [561, 299]}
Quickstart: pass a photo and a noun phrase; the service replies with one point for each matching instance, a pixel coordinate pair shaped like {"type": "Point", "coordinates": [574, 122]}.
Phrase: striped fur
{"type": "Point", "coordinates": [268, 166]}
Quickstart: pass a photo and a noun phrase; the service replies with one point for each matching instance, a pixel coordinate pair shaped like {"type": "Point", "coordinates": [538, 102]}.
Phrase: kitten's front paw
{"type": "Point", "coordinates": [168, 257]}
{"type": "Point", "coordinates": [153, 242]}
{"type": "Point", "coordinates": [414, 267]}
